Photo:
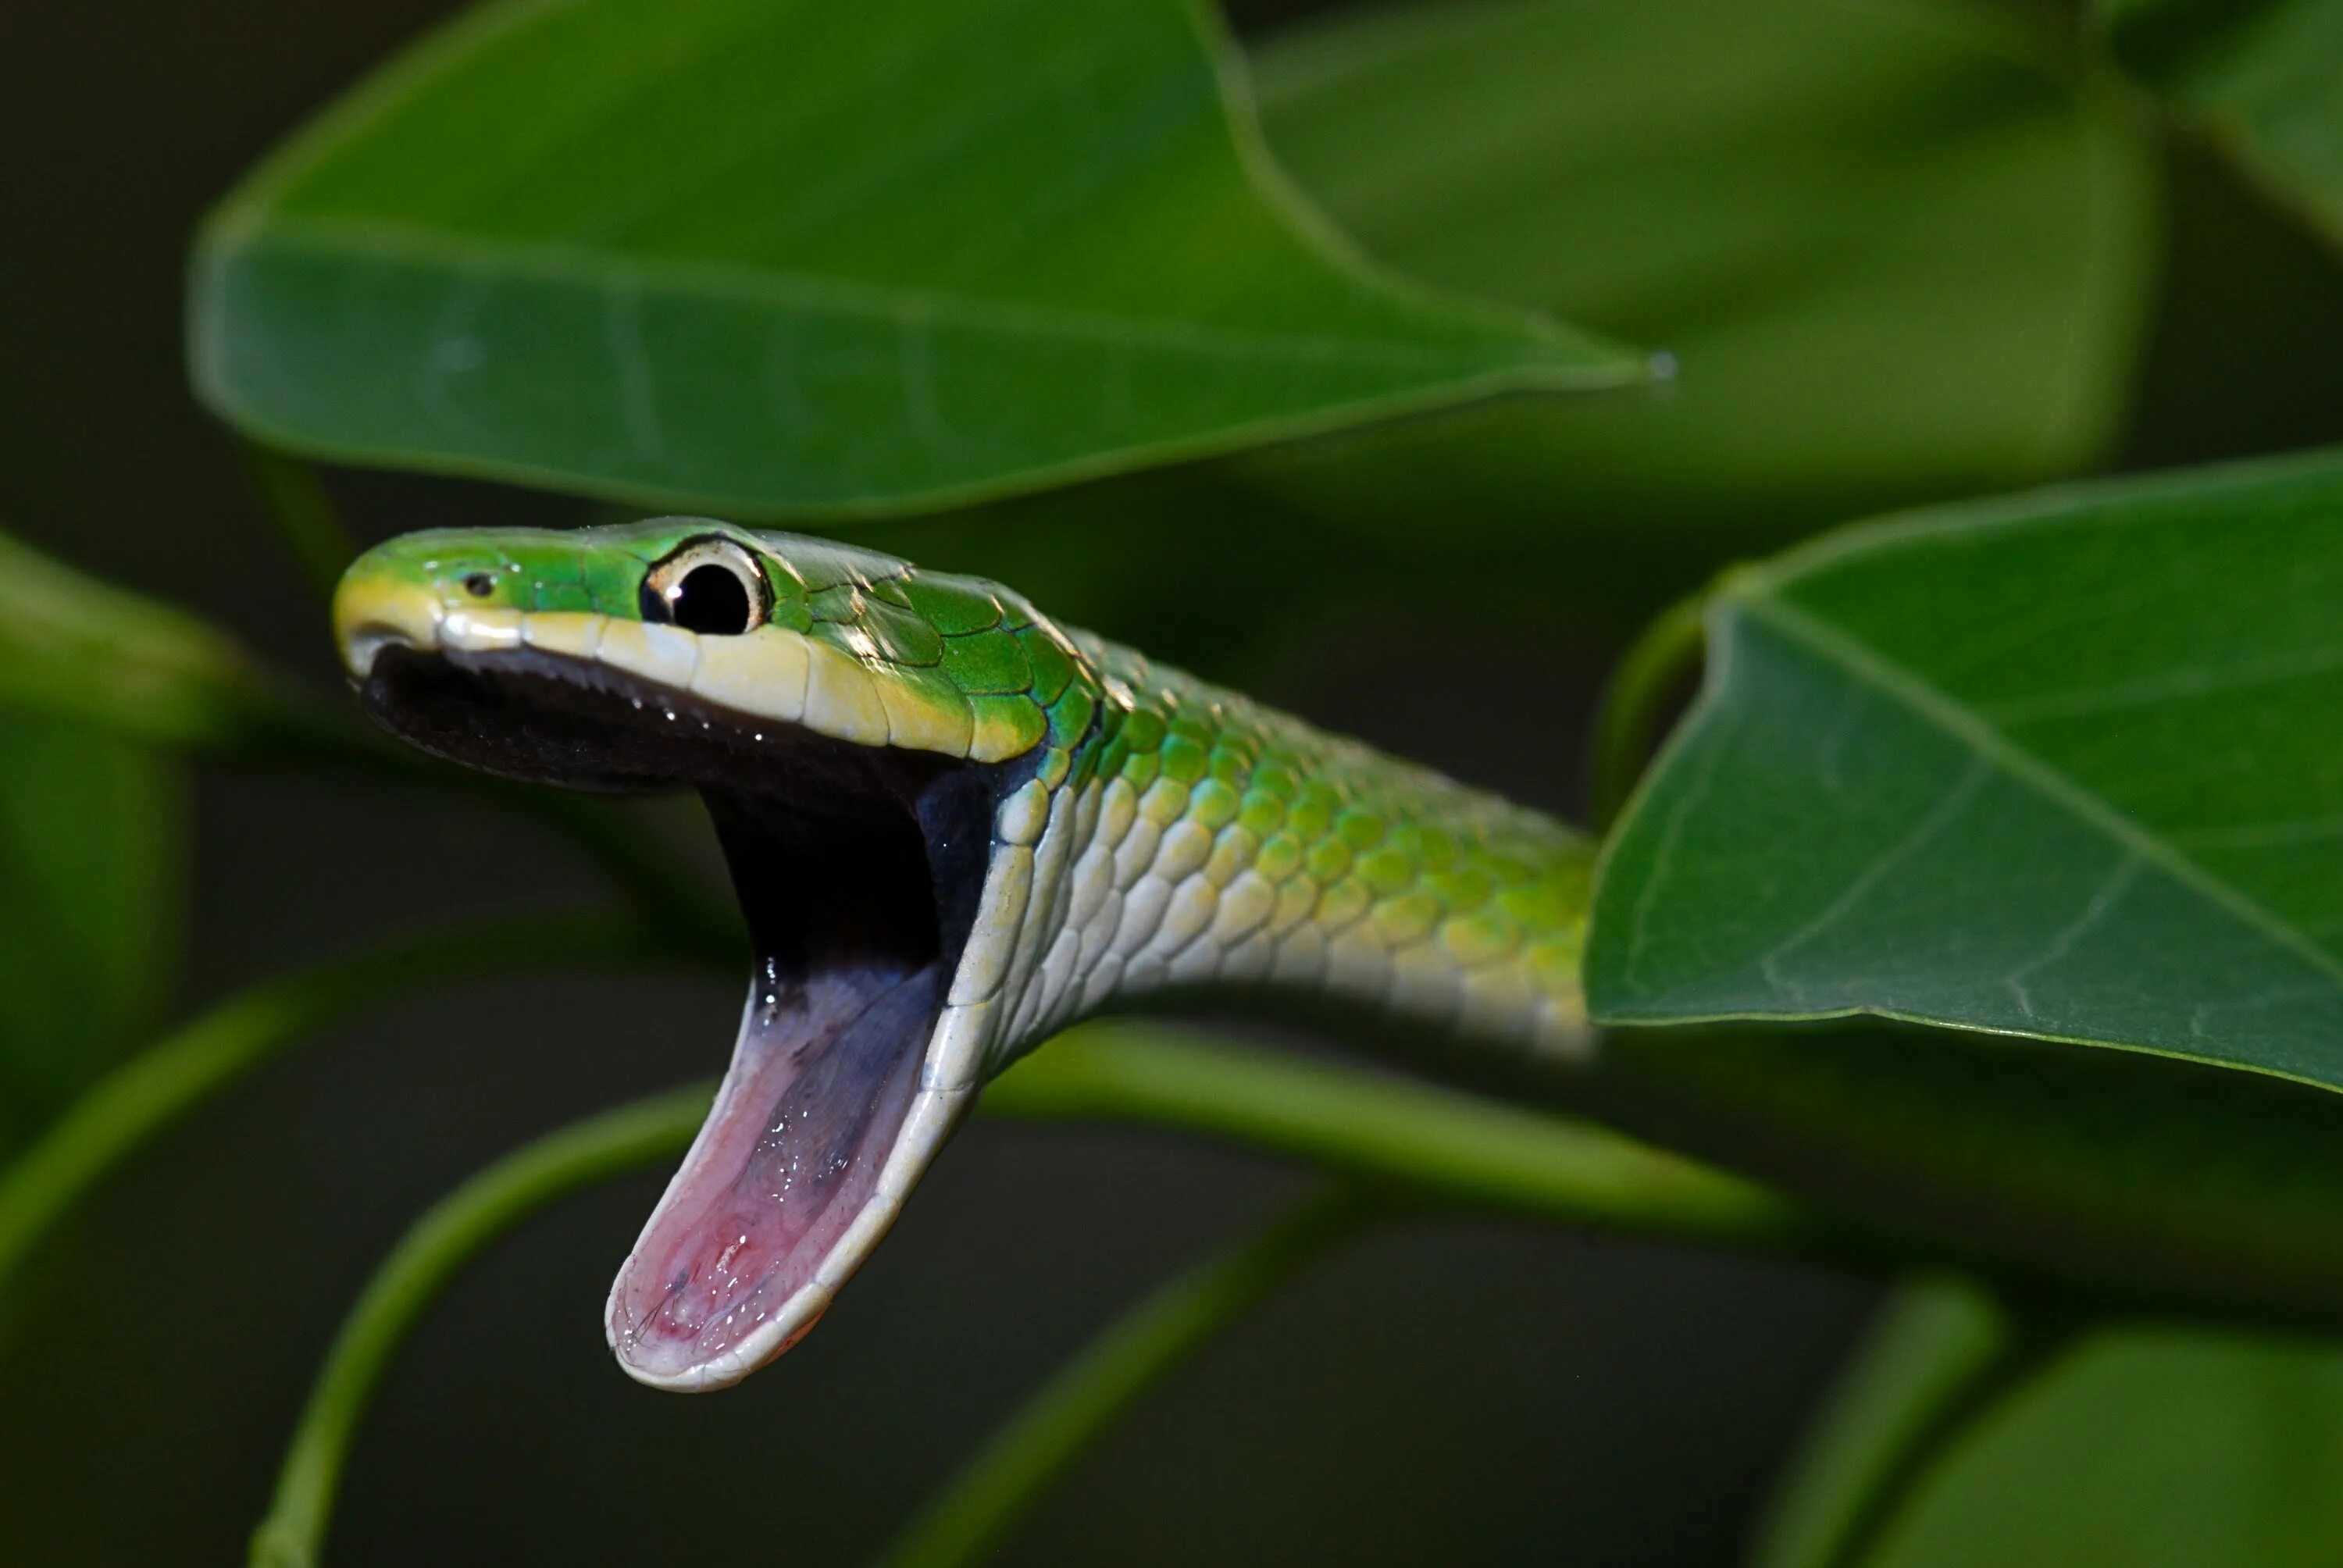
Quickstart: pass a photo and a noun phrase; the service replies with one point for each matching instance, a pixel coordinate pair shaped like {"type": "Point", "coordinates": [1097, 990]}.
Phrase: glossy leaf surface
{"type": "Point", "coordinates": [2065, 766]}
{"type": "Point", "coordinates": [783, 258]}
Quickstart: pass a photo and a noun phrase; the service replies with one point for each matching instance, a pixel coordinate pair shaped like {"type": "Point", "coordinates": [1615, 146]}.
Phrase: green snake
{"type": "Point", "coordinates": [954, 827]}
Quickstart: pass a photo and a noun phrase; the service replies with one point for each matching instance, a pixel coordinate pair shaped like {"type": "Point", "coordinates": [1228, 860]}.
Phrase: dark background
{"type": "Point", "coordinates": [1450, 1391]}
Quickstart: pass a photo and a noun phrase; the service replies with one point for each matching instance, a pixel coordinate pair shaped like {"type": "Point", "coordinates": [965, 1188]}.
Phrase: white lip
{"type": "Point", "coordinates": [360, 648]}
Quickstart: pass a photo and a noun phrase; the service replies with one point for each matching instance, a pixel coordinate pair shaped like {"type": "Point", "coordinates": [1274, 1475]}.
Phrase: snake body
{"type": "Point", "coordinates": [1097, 828]}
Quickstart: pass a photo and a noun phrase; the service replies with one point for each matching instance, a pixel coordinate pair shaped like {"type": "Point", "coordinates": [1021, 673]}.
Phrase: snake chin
{"type": "Point", "coordinates": [859, 870]}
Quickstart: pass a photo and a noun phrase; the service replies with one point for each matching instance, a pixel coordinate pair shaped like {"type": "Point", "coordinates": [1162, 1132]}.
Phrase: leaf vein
{"type": "Point", "coordinates": [1939, 816]}
{"type": "Point", "coordinates": [2195, 680]}
{"type": "Point", "coordinates": [2109, 893]}
{"type": "Point", "coordinates": [1938, 709]}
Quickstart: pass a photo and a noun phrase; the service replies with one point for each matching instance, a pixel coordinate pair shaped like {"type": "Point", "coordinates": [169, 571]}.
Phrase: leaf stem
{"type": "Point", "coordinates": [1386, 1132]}
{"type": "Point", "coordinates": [985, 1499]}
{"type": "Point", "coordinates": [1396, 1132]}
{"type": "Point", "coordinates": [305, 515]}
{"type": "Point", "coordinates": [1627, 722]}
{"type": "Point", "coordinates": [447, 1237]}
{"type": "Point", "coordinates": [178, 1072]}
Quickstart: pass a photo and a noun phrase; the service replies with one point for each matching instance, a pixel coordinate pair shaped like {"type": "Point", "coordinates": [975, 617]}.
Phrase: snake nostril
{"type": "Point", "coordinates": [481, 585]}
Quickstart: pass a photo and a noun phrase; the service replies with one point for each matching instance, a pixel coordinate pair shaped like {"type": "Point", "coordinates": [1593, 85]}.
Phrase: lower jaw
{"type": "Point", "coordinates": [864, 867]}
{"type": "Point", "coordinates": [727, 1272]}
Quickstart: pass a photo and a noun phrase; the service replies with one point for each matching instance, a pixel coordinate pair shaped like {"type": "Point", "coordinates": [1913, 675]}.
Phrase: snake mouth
{"type": "Point", "coordinates": [859, 870]}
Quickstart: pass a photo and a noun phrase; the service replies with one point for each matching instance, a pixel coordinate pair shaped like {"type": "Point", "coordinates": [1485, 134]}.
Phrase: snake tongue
{"type": "Point", "coordinates": [729, 1270]}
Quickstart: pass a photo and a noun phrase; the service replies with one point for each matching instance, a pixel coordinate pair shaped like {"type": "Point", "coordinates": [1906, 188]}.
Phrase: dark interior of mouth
{"type": "Point", "coordinates": [858, 869]}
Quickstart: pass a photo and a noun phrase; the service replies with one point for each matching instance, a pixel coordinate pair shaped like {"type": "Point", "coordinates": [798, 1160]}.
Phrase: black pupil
{"type": "Point", "coordinates": [710, 600]}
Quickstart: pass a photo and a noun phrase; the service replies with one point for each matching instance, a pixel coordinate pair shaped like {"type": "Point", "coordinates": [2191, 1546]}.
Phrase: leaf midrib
{"type": "Point", "coordinates": [733, 282]}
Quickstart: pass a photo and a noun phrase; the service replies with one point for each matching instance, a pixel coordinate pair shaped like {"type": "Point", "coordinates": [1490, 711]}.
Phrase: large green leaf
{"type": "Point", "coordinates": [770, 257]}
{"type": "Point", "coordinates": [1892, 258]}
{"type": "Point", "coordinates": [2265, 76]}
{"type": "Point", "coordinates": [89, 874]}
{"type": "Point", "coordinates": [2065, 766]}
{"type": "Point", "coordinates": [2146, 1449]}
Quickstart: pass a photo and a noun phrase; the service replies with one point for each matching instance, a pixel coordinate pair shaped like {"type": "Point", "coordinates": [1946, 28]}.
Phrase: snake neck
{"type": "Point", "coordinates": [1191, 841]}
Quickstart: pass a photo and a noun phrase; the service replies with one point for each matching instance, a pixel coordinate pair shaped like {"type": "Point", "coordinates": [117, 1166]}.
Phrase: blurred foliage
{"type": "Point", "coordinates": [2125, 1176]}
{"type": "Point", "coordinates": [1933, 1346]}
{"type": "Point", "coordinates": [1892, 255]}
{"type": "Point", "coordinates": [166, 1080]}
{"type": "Point", "coordinates": [91, 851]}
{"type": "Point", "coordinates": [440, 1244]}
{"type": "Point", "coordinates": [986, 248]}
{"type": "Point", "coordinates": [2147, 1448]}
{"type": "Point", "coordinates": [74, 646]}
{"type": "Point", "coordinates": [2260, 76]}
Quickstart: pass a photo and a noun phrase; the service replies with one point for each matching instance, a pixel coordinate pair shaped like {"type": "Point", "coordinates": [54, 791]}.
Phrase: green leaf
{"type": "Point", "coordinates": [769, 258]}
{"type": "Point", "coordinates": [2064, 766]}
{"type": "Point", "coordinates": [90, 862]}
{"type": "Point", "coordinates": [1893, 258]}
{"type": "Point", "coordinates": [2147, 1449]}
{"type": "Point", "coordinates": [2265, 77]}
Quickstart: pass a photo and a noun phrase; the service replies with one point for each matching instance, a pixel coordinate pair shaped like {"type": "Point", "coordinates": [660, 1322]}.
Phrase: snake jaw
{"type": "Point", "coordinates": [771, 1322]}
{"type": "Point", "coordinates": [860, 869]}
{"type": "Point", "coordinates": [841, 1094]}
{"type": "Point", "coordinates": [803, 1163]}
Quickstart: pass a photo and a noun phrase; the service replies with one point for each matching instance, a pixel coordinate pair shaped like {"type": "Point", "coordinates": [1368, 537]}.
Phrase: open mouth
{"type": "Point", "coordinates": [859, 870]}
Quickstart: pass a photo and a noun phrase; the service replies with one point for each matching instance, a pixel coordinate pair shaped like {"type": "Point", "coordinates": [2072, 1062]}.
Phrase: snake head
{"type": "Point", "coordinates": [880, 751]}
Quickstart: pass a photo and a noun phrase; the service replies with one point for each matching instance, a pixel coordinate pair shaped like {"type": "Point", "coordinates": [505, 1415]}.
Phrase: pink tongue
{"type": "Point", "coordinates": [820, 1083]}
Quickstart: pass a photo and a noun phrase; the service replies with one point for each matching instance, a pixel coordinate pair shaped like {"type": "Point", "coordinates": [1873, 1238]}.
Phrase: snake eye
{"type": "Point", "coordinates": [711, 586]}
